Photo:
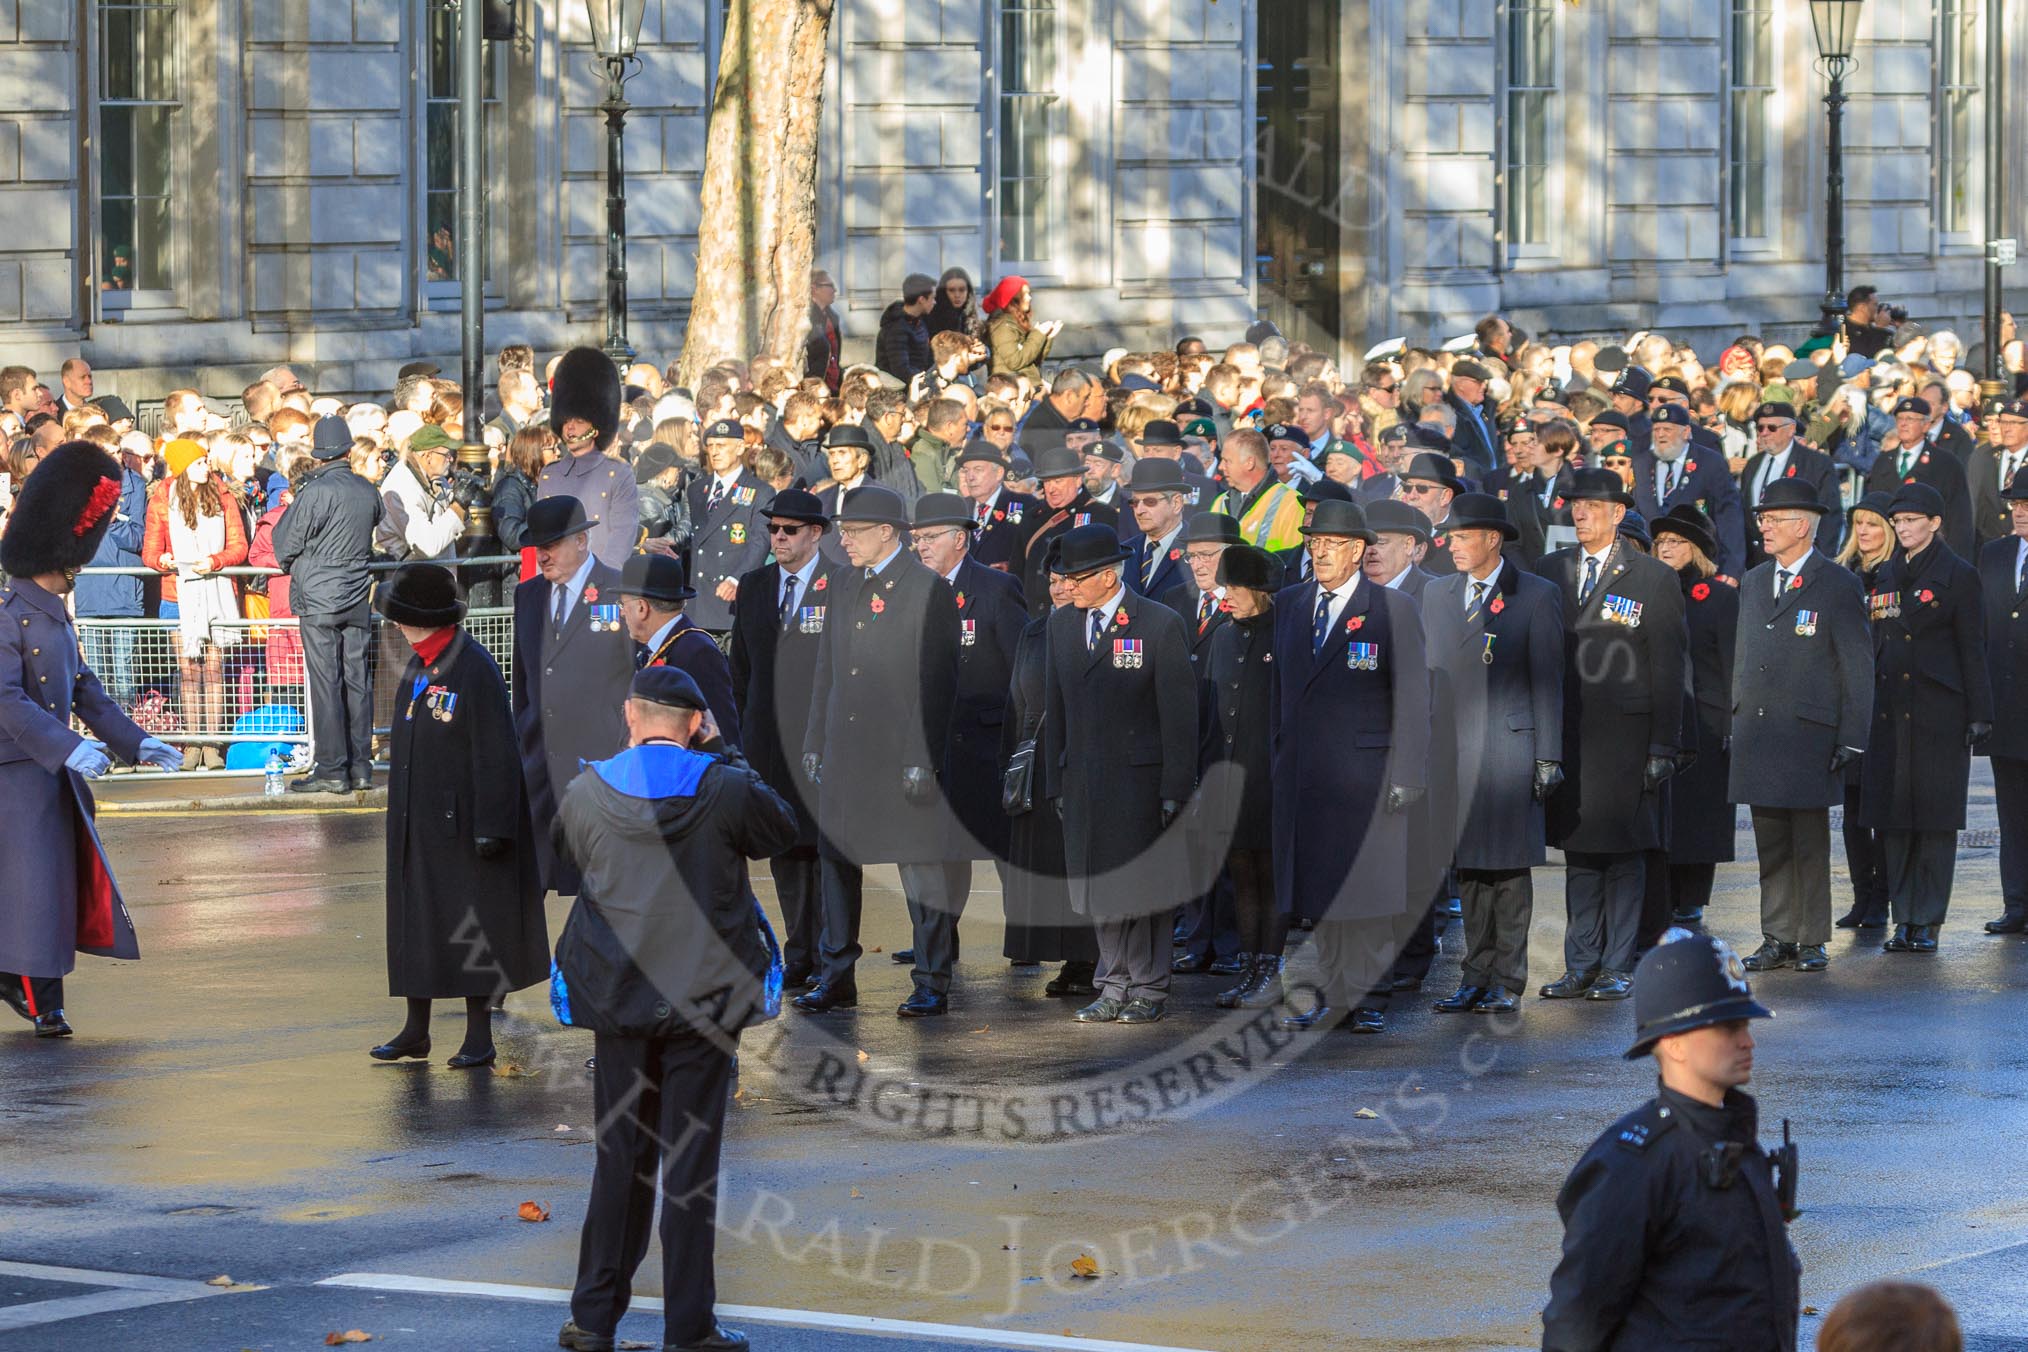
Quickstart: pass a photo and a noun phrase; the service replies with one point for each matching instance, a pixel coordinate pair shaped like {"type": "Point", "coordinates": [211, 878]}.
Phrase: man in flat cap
{"type": "Point", "coordinates": [1476, 441]}
{"type": "Point", "coordinates": [728, 530]}
{"type": "Point", "coordinates": [652, 594]}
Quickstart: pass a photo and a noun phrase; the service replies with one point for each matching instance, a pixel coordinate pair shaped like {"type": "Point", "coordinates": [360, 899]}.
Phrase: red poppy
{"type": "Point", "coordinates": [1557, 503]}
{"type": "Point", "coordinates": [1174, 554]}
{"type": "Point", "coordinates": [1700, 592]}
{"type": "Point", "coordinates": [961, 600]}
{"type": "Point", "coordinates": [1120, 617]}
{"type": "Point", "coordinates": [878, 605]}
{"type": "Point", "coordinates": [1499, 604]}
{"type": "Point", "coordinates": [1000, 515]}
{"type": "Point", "coordinates": [1796, 583]}
{"type": "Point", "coordinates": [820, 584]}
{"type": "Point", "coordinates": [1925, 596]}
{"type": "Point", "coordinates": [1352, 625]}
{"type": "Point", "coordinates": [591, 596]}
{"type": "Point", "coordinates": [1791, 473]}
{"type": "Point", "coordinates": [1689, 466]}
{"type": "Point", "coordinates": [1441, 542]}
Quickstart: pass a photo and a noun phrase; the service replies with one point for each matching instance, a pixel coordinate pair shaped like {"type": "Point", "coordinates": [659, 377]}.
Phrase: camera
{"type": "Point", "coordinates": [1897, 315]}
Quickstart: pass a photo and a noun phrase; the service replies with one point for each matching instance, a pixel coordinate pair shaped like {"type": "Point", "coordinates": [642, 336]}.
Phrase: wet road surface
{"type": "Point", "coordinates": [217, 1116]}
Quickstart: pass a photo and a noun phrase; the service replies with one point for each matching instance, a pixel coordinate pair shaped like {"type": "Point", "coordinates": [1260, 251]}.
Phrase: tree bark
{"type": "Point", "coordinates": [759, 202]}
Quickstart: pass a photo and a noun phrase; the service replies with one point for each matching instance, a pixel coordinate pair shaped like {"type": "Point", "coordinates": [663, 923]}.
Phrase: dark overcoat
{"type": "Point", "coordinates": [570, 690]}
{"type": "Point", "coordinates": [1702, 823]}
{"type": "Point", "coordinates": [1170, 570]}
{"type": "Point", "coordinates": [695, 652]}
{"type": "Point", "coordinates": [1942, 471]}
{"type": "Point", "coordinates": [2006, 647]}
{"type": "Point", "coordinates": [1624, 686]}
{"type": "Point", "coordinates": [1239, 798]}
{"type": "Point", "coordinates": [1045, 526]}
{"type": "Point", "coordinates": [1705, 483]}
{"type": "Point", "coordinates": [729, 540]}
{"type": "Point", "coordinates": [1811, 467]}
{"type": "Point", "coordinates": [998, 540]}
{"type": "Point", "coordinates": [1339, 737]}
{"type": "Point", "coordinates": [991, 616]}
{"type": "Point", "coordinates": [1120, 738]}
{"type": "Point", "coordinates": [1041, 925]}
{"type": "Point", "coordinates": [887, 674]}
{"type": "Point", "coordinates": [774, 667]}
{"type": "Point", "coordinates": [1508, 712]}
{"type": "Point", "coordinates": [1930, 683]}
{"type": "Point", "coordinates": [459, 925]}
{"type": "Point", "coordinates": [1184, 600]}
{"type": "Point", "coordinates": [1802, 685]}
{"type": "Point", "coordinates": [1992, 517]}
{"type": "Point", "coordinates": [57, 894]}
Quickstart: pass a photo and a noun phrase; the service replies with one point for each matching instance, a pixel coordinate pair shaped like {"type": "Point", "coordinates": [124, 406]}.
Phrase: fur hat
{"type": "Point", "coordinates": [61, 512]}
{"type": "Point", "coordinates": [587, 385]}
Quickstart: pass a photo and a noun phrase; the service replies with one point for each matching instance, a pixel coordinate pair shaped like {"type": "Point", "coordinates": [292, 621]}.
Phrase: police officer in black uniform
{"type": "Point", "coordinates": [1674, 1222]}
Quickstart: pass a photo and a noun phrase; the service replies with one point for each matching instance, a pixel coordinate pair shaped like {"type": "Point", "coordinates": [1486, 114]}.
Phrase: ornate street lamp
{"type": "Point", "coordinates": [1837, 25]}
{"type": "Point", "coordinates": [616, 32]}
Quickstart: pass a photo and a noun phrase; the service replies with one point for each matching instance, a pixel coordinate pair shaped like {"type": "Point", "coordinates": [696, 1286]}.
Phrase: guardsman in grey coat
{"type": "Point", "coordinates": [53, 904]}
{"type": "Point", "coordinates": [2003, 580]}
{"type": "Point", "coordinates": [573, 661]}
{"type": "Point", "coordinates": [729, 537]}
{"type": "Point", "coordinates": [1496, 635]}
{"type": "Point", "coordinates": [1932, 704]}
{"type": "Point", "coordinates": [880, 717]}
{"type": "Point", "coordinates": [1625, 682]}
{"type": "Point", "coordinates": [585, 411]}
{"type": "Point", "coordinates": [1802, 705]}
{"type": "Point", "coordinates": [1119, 760]}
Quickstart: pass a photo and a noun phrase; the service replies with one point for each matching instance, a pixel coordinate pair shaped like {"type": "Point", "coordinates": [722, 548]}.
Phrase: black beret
{"type": "Point", "coordinates": [671, 686]}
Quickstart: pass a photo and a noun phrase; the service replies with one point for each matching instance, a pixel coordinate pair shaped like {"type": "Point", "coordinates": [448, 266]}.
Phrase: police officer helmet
{"type": "Point", "coordinates": [1689, 981]}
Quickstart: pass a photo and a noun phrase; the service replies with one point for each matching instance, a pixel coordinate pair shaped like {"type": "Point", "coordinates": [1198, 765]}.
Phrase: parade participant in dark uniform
{"type": "Point", "coordinates": [1206, 537]}
{"type": "Point", "coordinates": [1403, 543]}
{"type": "Point", "coordinates": [1159, 500]}
{"type": "Point", "coordinates": [778, 618]}
{"type": "Point", "coordinates": [572, 661]}
{"type": "Point", "coordinates": [1909, 458]}
{"type": "Point", "coordinates": [464, 889]}
{"type": "Point", "coordinates": [1295, 560]}
{"type": "Point", "coordinates": [1932, 705]}
{"type": "Point", "coordinates": [1207, 935]}
{"type": "Point", "coordinates": [880, 716]}
{"type": "Point", "coordinates": [1701, 815]}
{"type": "Point", "coordinates": [1429, 485]}
{"type": "Point", "coordinates": [728, 509]}
{"type": "Point", "coordinates": [1802, 702]}
{"type": "Point", "coordinates": [1624, 687]}
{"type": "Point", "coordinates": [1676, 474]}
{"type": "Point", "coordinates": [2003, 581]}
{"type": "Point", "coordinates": [1041, 925]}
{"type": "Point", "coordinates": [1349, 721]}
{"type": "Point", "coordinates": [1993, 469]}
{"type": "Point", "coordinates": [1003, 517]}
{"type": "Point", "coordinates": [60, 898]}
{"type": "Point", "coordinates": [1119, 761]}
{"type": "Point", "coordinates": [584, 409]}
{"type": "Point", "coordinates": [1780, 457]}
{"type": "Point", "coordinates": [1869, 544]}
{"type": "Point", "coordinates": [1629, 395]}
{"type": "Point", "coordinates": [1675, 1221]}
{"type": "Point", "coordinates": [1496, 638]}
{"type": "Point", "coordinates": [1065, 507]}
{"type": "Point", "coordinates": [666, 957]}
{"type": "Point", "coordinates": [652, 592]}
{"type": "Point", "coordinates": [1235, 808]}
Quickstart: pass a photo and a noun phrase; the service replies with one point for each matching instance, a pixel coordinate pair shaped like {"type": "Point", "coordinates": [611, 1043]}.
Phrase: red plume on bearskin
{"type": "Point", "coordinates": [101, 501]}
{"type": "Point", "coordinates": [62, 512]}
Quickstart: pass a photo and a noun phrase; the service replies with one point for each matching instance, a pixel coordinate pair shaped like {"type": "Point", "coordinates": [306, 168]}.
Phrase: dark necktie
{"type": "Point", "coordinates": [1096, 626]}
{"type": "Point", "coordinates": [640, 656]}
{"type": "Point", "coordinates": [1478, 600]}
{"type": "Point", "coordinates": [1203, 610]}
{"type": "Point", "coordinates": [1590, 578]}
{"type": "Point", "coordinates": [2020, 570]}
{"type": "Point", "coordinates": [2010, 464]}
{"type": "Point", "coordinates": [1669, 472]}
{"type": "Point", "coordinates": [1782, 576]}
{"type": "Point", "coordinates": [557, 612]}
{"type": "Point", "coordinates": [1322, 625]}
{"type": "Point", "coordinates": [1148, 565]}
{"type": "Point", "coordinates": [788, 603]}
{"type": "Point", "coordinates": [714, 497]}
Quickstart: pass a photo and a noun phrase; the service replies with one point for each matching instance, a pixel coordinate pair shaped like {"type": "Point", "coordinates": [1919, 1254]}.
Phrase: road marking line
{"type": "Point", "coordinates": [818, 1319]}
{"type": "Point", "coordinates": [129, 1291]}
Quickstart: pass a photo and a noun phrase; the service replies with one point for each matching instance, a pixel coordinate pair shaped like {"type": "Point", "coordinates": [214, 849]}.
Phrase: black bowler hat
{"type": "Point", "coordinates": [1058, 462]}
{"type": "Point", "coordinates": [1671, 415]}
{"type": "Point", "coordinates": [1789, 495]}
{"type": "Point", "coordinates": [1216, 528]}
{"type": "Point", "coordinates": [1340, 518]}
{"type": "Point", "coordinates": [980, 451]}
{"type": "Point", "coordinates": [114, 407]}
{"type": "Point", "coordinates": [945, 509]}
{"type": "Point", "coordinates": [844, 434]}
{"type": "Point", "coordinates": [1597, 485]}
{"type": "Point", "coordinates": [1478, 511]}
{"type": "Point", "coordinates": [1635, 527]}
{"type": "Point", "coordinates": [1689, 981]}
{"type": "Point", "coordinates": [422, 596]}
{"type": "Point", "coordinates": [1775, 409]}
{"type": "Point", "coordinates": [1911, 404]}
{"type": "Point", "coordinates": [1251, 567]}
{"type": "Point", "coordinates": [1635, 383]}
{"type": "Point", "coordinates": [1156, 475]}
{"type": "Point", "coordinates": [655, 577]}
{"type": "Point", "coordinates": [797, 504]}
{"type": "Point", "coordinates": [551, 519]}
{"type": "Point", "coordinates": [671, 686]}
{"type": "Point", "coordinates": [1086, 549]}
{"type": "Point", "coordinates": [654, 458]}
{"type": "Point", "coordinates": [1390, 516]}
{"type": "Point", "coordinates": [2018, 489]}
{"type": "Point", "coordinates": [875, 504]}
{"type": "Point", "coordinates": [1161, 432]}
{"type": "Point", "coordinates": [1916, 497]}
{"type": "Point", "coordinates": [1324, 490]}
{"type": "Point", "coordinates": [1429, 467]}
{"type": "Point", "coordinates": [1686, 521]}
{"type": "Point", "coordinates": [330, 438]}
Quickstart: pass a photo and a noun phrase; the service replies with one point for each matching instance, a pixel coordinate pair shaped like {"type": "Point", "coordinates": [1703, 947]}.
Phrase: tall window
{"type": "Point", "coordinates": [1531, 91]}
{"type": "Point", "coordinates": [138, 104]}
{"type": "Point", "coordinates": [1752, 90]}
{"type": "Point", "coordinates": [1958, 80]}
{"type": "Point", "coordinates": [440, 140]}
{"type": "Point", "coordinates": [1030, 124]}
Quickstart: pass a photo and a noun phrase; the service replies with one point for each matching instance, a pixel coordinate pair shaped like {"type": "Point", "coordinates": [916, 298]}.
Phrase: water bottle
{"type": "Point", "coordinates": [274, 787]}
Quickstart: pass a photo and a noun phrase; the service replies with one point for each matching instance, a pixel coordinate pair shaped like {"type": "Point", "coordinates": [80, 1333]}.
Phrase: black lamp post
{"type": "Point", "coordinates": [616, 31]}
{"type": "Point", "coordinates": [1837, 25]}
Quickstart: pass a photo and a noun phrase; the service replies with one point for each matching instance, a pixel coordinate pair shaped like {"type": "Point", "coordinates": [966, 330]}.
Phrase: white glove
{"type": "Point", "coordinates": [161, 755]}
{"type": "Point", "coordinates": [1304, 470]}
{"type": "Point", "coordinates": [89, 759]}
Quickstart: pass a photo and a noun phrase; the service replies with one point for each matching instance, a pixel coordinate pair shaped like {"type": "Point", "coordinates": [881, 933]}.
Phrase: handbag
{"type": "Point", "coordinates": [1017, 785]}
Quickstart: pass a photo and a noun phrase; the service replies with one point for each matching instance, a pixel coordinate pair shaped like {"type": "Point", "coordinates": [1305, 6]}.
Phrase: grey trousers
{"type": "Point", "coordinates": [936, 896]}
{"type": "Point", "coordinates": [1355, 959]}
{"type": "Point", "coordinates": [1133, 962]}
{"type": "Point", "coordinates": [1919, 869]}
{"type": "Point", "coordinates": [1499, 905]}
{"type": "Point", "coordinates": [1603, 894]}
{"type": "Point", "coordinates": [1795, 873]}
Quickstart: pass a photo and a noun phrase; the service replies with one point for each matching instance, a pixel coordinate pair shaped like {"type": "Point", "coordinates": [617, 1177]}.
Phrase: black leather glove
{"type": "Point", "coordinates": [1401, 797]}
{"type": "Point", "coordinates": [1659, 768]}
{"type": "Point", "coordinates": [491, 847]}
{"type": "Point", "coordinates": [1844, 756]}
{"type": "Point", "coordinates": [1170, 807]}
{"type": "Point", "coordinates": [1548, 775]}
{"type": "Point", "coordinates": [1978, 732]}
{"type": "Point", "coordinates": [813, 767]}
{"type": "Point", "coordinates": [917, 786]}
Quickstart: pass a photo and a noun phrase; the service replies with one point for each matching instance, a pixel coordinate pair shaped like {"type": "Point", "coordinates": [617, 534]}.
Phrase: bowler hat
{"type": "Point", "coordinates": [114, 407]}
{"type": "Point", "coordinates": [1340, 518]}
{"type": "Point", "coordinates": [1919, 498]}
{"type": "Point", "coordinates": [945, 509]}
{"type": "Point", "coordinates": [797, 504]}
{"type": "Point", "coordinates": [1216, 528]}
{"type": "Point", "coordinates": [844, 434]}
{"type": "Point", "coordinates": [1477, 511]}
{"type": "Point", "coordinates": [654, 458]}
{"type": "Point", "coordinates": [1597, 485]}
{"type": "Point", "coordinates": [1058, 462]}
{"type": "Point", "coordinates": [980, 451]}
{"type": "Point", "coordinates": [551, 519]}
{"type": "Point", "coordinates": [670, 686]}
{"type": "Point", "coordinates": [1689, 981]}
{"type": "Point", "coordinates": [1880, 504]}
{"type": "Point", "coordinates": [1671, 415]}
{"type": "Point", "coordinates": [422, 596]}
{"type": "Point", "coordinates": [1789, 495]}
{"type": "Point", "coordinates": [1686, 521]}
{"type": "Point", "coordinates": [1161, 432]}
{"type": "Point", "coordinates": [1429, 467]}
{"type": "Point", "coordinates": [1391, 517]}
{"type": "Point", "coordinates": [1156, 475]}
{"type": "Point", "coordinates": [1324, 490]}
{"type": "Point", "coordinates": [655, 577]}
{"type": "Point", "coordinates": [874, 504]}
{"type": "Point", "coordinates": [330, 438]}
{"type": "Point", "coordinates": [1086, 549]}
{"type": "Point", "coordinates": [1251, 567]}
{"type": "Point", "coordinates": [2017, 490]}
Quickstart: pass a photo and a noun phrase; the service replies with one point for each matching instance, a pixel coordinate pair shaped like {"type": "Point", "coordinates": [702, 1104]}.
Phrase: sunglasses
{"type": "Point", "coordinates": [792, 528]}
{"type": "Point", "coordinates": [1766, 427]}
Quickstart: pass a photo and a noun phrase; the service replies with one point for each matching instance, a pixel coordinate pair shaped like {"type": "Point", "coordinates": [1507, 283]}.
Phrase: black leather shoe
{"type": "Point", "coordinates": [313, 784]}
{"type": "Point", "coordinates": [1693, 916]}
{"type": "Point", "coordinates": [1073, 981]}
{"type": "Point", "coordinates": [1812, 958]}
{"type": "Point", "coordinates": [1191, 964]}
{"type": "Point", "coordinates": [1105, 1009]}
{"type": "Point", "coordinates": [795, 978]}
{"type": "Point", "coordinates": [360, 784]}
{"type": "Point", "coordinates": [826, 996]}
{"type": "Point", "coordinates": [1229, 999]}
{"type": "Point", "coordinates": [924, 1005]}
{"type": "Point", "coordinates": [1569, 986]}
{"type": "Point", "coordinates": [2010, 923]}
{"type": "Point", "coordinates": [1611, 986]}
{"type": "Point", "coordinates": [1316, 1017]}
{"type": "Point", "coordinates": [473, 1060]}
{"type": "Point", "coordinates": [1496, 1000]}
{"type": "Point", "coordinates": [1860, 918]}
{"type": "Point", "coordinates": [394, 1051]}
{"type": "Point", "coordinates": [1142, 1011]}
{"type": "Point", "coordinates": [1459, 1000]}
{"type": "Point", "coordinates": [1769, 956]}
{"type": "Point", "coordinates": [1922, 938]}
{"type": "Point", "coordinates": [10, 991]}
{"type": "Point", "coordinates": [903, 955]}
{"type": "Point", "coordinates": [1263, 989]}
{"type": "Point", "coordinates": [1405, 984]}
{"type": "Point", "coordinates": [1232, 966]}
{"type": "Point", "coordinates": [1898, 942]}
{"type": "Point", "coordinates": [583, 1340]}
{"type": "Point", "coordinates": [1452, 909]}
{"type": "Point", "coordinates": [1364, 1020]}
{"type": "Point", "coordinates": [720, 1339]}
{"type": "Point", "coordinates": [51, 1024]}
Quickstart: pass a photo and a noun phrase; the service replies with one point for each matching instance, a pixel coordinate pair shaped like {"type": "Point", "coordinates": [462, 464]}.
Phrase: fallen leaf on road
{"type": "Point", "coordinates": [1366, 1112]}
{"type": "Point", "coordinates": [533, 1211]}
{"type": "Point", "coordinates": [863, 1057]}
{"type": "Point", "coordinates": [857, 1193]}
{"type": "Point", "coordinates": [220, 1280]}
{"type": "Point", "coordinates": [563, 1126]}
{"type": "Point", "coordinates": [349, 1336]}
{"type": "Point", "coordinates": [509, 1070]}
{"type": "Point", "coordinates": [1809, 1309]}
{"type": "Point", "coordinates": [875, 949]}
{"type": "Point", "coordinates": [984, 1027]}
{"type": "Point", "coordinates": [1085, 1266]}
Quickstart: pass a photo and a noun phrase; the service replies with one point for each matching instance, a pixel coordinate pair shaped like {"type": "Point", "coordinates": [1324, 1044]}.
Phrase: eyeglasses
{"type": "Point", "coordinates": [1203, 555]}
{"type": "Point", "coordinates": [928, 536]}
{"type": "Point", "coordinates": [858, 527]}
{"type": "Point", "coordinates": [1079, 579]}
{"type": "Point", "coordinates": [1417, 490]}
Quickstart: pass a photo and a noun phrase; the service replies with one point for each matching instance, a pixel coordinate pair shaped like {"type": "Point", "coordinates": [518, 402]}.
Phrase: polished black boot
{"type": "Point", "coordinates": [1229, 999]}
{"type": "Point", "coordinates": [1263, 989]}
{"type": "Point", "coordinates": [1073, 981]}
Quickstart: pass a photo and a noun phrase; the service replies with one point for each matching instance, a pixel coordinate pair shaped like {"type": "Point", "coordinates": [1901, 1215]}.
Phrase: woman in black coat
{"type": "Point", "coordinates": [1869, 546]}
{"type": "Point", "coordinates": [1236, 772]}
{"type": "Point", "coordinates": [1041, 926]}
{"type": "Point", "coordinates": [464, 899]}
{"type": "Point", "coordinates": [1701, 819]}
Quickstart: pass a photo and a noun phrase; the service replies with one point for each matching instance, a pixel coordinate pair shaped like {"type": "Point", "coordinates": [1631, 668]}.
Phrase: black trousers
{"type": "Point", "coordinates": [1689, 886]}
{"type": "Point", "coordinates": [936, 895]}
{"type": "Point", "coordinates": [1867, 862]}
{"type": "Point", "coordinates": [661, 1113]}
{"type": "Point", "coordinates": [841, 885]}
{"type": "Point", "coordinates": [798, 890]}
{"type": "Point", "coordinates": [1499, 907]}
{"type": "Point", "coordinates": [1419, 945]}
{"type": "Point", "coordinates": [339, 685]}
{"type": "Point", "coordinates": [1262, 927]}
{"type": "Point", "coordinates": [1657, 902]}
{"type": "Point", "coordinates": [2010, 797]}
{"type": "Point", "coordinates": [42, 994]}
{"type": "Point", "coordinates": [1603, 893]}
{"type": "Point", "coordinates": [1919, 869]}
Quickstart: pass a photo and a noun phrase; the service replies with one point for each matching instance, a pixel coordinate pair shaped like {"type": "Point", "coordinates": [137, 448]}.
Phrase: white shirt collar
{"type": "Point", "coordinates": [1795, 569]}
{"type": "Point", "coordinates": [881, 567]}
{"type": "Point", "coordinates": [1491, 579]}
{"type": "Point", "coordinates": [1602, 555]}
{"type": "Point", "coordinates": [1107, 609]}
{"type": "Point", "coordinates": [952, 576]}
{"type": "Point", "coordinates": [802, 575]}
{"type": "Point", "coordinates": [574, 588]}
{"type": "Point", "coordinates": [729, 480]}
{"type": "Point", "coordinates": [1394, 583]}
{"type": "Point", "coordinates": [661, 636]}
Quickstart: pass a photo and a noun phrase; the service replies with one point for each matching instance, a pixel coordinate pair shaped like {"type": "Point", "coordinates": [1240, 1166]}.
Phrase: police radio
{"type": "Point", "coordinates": [1785, 1165]}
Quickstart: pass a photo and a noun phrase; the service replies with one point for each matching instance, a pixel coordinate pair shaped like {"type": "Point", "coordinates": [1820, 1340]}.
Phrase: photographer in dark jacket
{"type": "Point", "coordinates": [666, 957]}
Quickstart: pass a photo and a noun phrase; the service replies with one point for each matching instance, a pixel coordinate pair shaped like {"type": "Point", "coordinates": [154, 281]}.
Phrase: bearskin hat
{"type": "Point", "coordinates": [62, 512]}
{"type": "Point", "coordinates": [586, 385]}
